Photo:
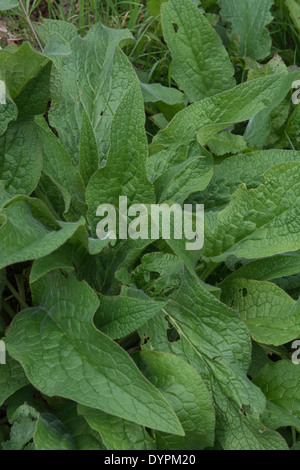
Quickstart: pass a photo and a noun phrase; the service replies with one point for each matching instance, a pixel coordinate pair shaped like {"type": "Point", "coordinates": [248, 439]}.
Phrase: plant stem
{"type": "Point", "coordinates": [31, 25]}
{"type": "Point", "coordinates": [16, 295]}
{"type": "Point", "coordinates": [209, 269]}
{"type": "Point", "coordinates": [8, 309]}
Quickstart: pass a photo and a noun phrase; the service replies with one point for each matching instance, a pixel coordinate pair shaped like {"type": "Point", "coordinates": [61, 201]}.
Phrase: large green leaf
{"type": "Point", "coordinates": [249, 19]}
{"type": "Point", "coordinates": [259, 222]}
{"type": "Point", "coordinates": [63, 354]}
{"type": "Point", "coordinates": [201, 66]}
{"type": "Point", "coordinates": [185, 390]}
{"type": "Point", "coordinates": [217, 344]}
{"type": "Point", "coordinates": [125, 171]}
{"type": "Point", "coordinates": [94, 78]}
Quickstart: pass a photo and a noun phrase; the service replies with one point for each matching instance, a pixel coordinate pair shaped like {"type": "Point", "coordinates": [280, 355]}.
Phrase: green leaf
{"type": "Point", "coordinates": [51, 434]}
{"type": "Point", "coordinates": [261, 127]}
{"type": "Point", "coordinates": [67, 31]}
{"type": "Point", "coordinates": [57, 36]}
{"type": "Point", "coordinates": [227, 143]}
{"type": "Point", "coordinates": [117, 433]}
{"type": "Point", "coordinates": [46, 431]}
{"type": "Point", "coordinates": [59, 259]}
{"type": "Point", "coordinates": [217, 344]}
{"type": "Point", "coordinates": [168, 269]}
{"type": "Point", "coordinates": [125, 171]}
{"type": "Point", "coordinates": [8, 4]}
{"type": "Point", "coordinates": [57, 164]}
{"type": "Point", "coordinates": [280, 383]}
{"type": "Point", "coordinates": [26, 74]}
{"type": "Point", "coordinates": [94, 78]}
{"type": "Point", "coordinates": [155, 93]}
{"type": "Point", "coordinates": [184, 179]}
{"type": "Point", "coordinates": [276, 417]}
{"type": "Point", "coordinates": [185, 390]}
{"type": "Point", "coordinates": [85, 437]}
{"type": "Point", "coordinates": [271, 315]}
{"type": "Point", "coordinates": [12, 378]}
{"type": "Point", "coordinates": [88, 153]}
{"type": "Point", "coordinates": [259, 222]}
{"type": "Point", "coordinates": [248, 20]}
{"type": "Point", "coordinates": [23, 428]}
{"type": "Point", "coordinates": [201, 66]}
{"type": "Point", "coordinates": [20, 157]}
{"type": "Point", "coordinates": [26, 395]}
{"type": "Point", "coordinates": [88, 367]}
{"type": "Point", "coordinates": [154, 7]}
{"type": "Point", "coordinates": [24, 237]}
{"type": "Point", "coordinates": [294, 10]}
{"type": "Point", "coordinates": [249, 169]}
{"type": "Point", "coordinates": [8, 109]}
{"type": "Point", "coordinates": [267, 269]}
{"type": "Point", "coordinates": [177, 142]}
{"type": "Point", "coordinates": [120, 315]}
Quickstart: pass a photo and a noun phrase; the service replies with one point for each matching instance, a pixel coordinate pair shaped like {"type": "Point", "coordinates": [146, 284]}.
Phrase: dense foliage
{"type": "Point", "coordinates": [141, 344]}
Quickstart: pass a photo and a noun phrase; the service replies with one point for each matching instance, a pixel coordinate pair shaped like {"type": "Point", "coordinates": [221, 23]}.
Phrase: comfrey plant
{"type": "Point", "coordinates": [144, 342]}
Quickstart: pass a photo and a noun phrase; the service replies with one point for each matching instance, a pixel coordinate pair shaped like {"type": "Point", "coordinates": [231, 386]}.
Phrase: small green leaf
{"type": "Point", "coordinates": [280, 383]}
{"type": "Point", "coordinates": [20, 157]}
{"type": "Point", "coordinates": [12, 378]}
{"type": "Point", "coordinates": [8, 4]}
{"type": "Point", "coordinates": [26, 74]}
{"type": "Point", "coordinates": [271, 315]}
{"type": "Point", "coordinates": [120, 315]}
{"type": "Point", "coordinates": [24, 237]}
{"type": "Point", "coordinates": [117, 433]}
